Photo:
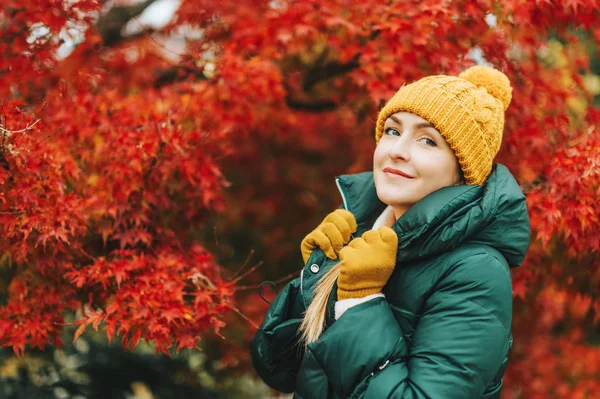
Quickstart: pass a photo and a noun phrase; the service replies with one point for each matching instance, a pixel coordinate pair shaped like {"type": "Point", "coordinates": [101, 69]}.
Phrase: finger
{"type": "Point", "coordinates": [334, 235]}
{"type": "Point", "coordinates": [309, 243]}
{"type": "Point", "coordinates": [307, 246]}
{"type": "Point", "coordinates": [371, 236]}
{"type": "Point", "coordinates": [340, 224]}
{"type": "Point", "coordinates": [357, 243]}
{"type": "Point", "coordinates": [388, 235]}
{"type": "Point", "coordinates": [348, 217]}
{"type": "Point", "coordinates": [322, 241]}
{"type": "Point", "coordinates": [346, 252]}
{"type": "Point", "coordinates": [342, 219]}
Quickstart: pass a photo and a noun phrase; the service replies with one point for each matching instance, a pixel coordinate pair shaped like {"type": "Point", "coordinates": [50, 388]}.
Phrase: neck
{"type": "Point", "coordinates": [399, 211]}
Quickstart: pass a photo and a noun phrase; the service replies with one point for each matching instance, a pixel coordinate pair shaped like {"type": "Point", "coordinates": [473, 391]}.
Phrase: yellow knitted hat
{"type": "Point", "coordinates": [467, 110]}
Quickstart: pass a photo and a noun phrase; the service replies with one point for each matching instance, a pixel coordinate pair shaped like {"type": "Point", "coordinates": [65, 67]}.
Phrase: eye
{"type": "Point", "coordinates": [391, 131]}
{"type": "Point", "coordinates": [429, 142]}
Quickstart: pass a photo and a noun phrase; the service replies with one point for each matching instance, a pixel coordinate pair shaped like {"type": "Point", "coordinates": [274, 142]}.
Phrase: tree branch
{"type": "Point", "coordinates": [318, 72]}
{"type": "Point", "coordinates": [177, 74]}
{"type": "Point", "coordinates": [109, 25]}
{"type": "Point", "coordinates": [315, 106]}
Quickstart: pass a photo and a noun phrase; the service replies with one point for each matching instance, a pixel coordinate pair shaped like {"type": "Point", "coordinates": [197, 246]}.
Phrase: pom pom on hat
{"type": "Point", "coordinates": [495, 82]}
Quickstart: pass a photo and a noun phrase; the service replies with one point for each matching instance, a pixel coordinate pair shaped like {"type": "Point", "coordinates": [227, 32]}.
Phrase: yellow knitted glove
{"type": "Point", "coordinates": [331, 235]}
{"type": "Point", "coordinates": [367, 263]}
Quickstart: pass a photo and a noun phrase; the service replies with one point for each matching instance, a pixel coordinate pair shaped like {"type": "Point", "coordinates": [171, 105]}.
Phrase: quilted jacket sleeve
{"type": "Point", "coordinates": [276, 352]}
{"type": "Point", "coordinates": [458, 347]}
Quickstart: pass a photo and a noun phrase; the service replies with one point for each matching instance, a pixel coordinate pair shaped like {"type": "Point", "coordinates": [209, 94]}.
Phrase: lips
{"type": "Point", "coordinates": [397, 172]}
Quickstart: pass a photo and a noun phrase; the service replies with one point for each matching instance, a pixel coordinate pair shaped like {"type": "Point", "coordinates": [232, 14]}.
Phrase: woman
{"type": "Point", "coordinates": [406, 292]}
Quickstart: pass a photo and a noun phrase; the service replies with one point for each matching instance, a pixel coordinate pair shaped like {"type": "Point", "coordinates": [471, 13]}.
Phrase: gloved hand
{"type": "Point", "coordinates": [367, 263]}
{"type": "Point", "coordinates": [331, 235]}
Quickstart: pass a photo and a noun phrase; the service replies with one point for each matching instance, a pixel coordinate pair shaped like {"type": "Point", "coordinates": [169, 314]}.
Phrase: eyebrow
{"type": "Point", "coordinates": [421, 125]}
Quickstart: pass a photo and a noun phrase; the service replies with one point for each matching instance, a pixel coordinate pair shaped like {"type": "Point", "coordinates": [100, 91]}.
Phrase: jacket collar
{"type": "Point", "coordinates": [493, 214]}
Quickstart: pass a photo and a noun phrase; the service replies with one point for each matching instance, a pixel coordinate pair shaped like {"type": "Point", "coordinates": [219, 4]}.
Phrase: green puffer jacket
{"type": "Point", "coordinates": [443, 329]}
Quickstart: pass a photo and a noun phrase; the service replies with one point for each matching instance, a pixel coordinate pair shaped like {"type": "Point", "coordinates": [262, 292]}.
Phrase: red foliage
{"type": "Point", "coordinates": [105, 202]}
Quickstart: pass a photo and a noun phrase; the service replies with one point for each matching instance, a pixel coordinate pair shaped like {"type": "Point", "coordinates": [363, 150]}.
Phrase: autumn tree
{"type": "Point", "coordinates": [138, 160]}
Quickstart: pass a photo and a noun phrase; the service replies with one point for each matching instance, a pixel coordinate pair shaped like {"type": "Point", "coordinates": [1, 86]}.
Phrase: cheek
{"type": "Point", "coordinates": [443, 172]}
{"type": "Point", "coordinates": [378, 155]}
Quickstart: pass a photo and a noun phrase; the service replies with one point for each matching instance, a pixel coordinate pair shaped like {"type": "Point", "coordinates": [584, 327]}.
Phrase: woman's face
{"type": "Point", "coordinates": [412, 160]}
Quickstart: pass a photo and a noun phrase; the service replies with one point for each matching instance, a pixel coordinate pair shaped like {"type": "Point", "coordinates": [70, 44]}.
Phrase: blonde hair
{"type": "Point", "coordinates": [313, 322]}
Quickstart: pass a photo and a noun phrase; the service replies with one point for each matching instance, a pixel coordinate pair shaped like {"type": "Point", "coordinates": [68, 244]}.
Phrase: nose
{"type": "Point", "coordinates": [401, 148]}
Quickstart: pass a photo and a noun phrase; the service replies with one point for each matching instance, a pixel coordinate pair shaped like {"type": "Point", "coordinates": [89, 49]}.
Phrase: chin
{"type": "Point", "coordinates": [389, 196]}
